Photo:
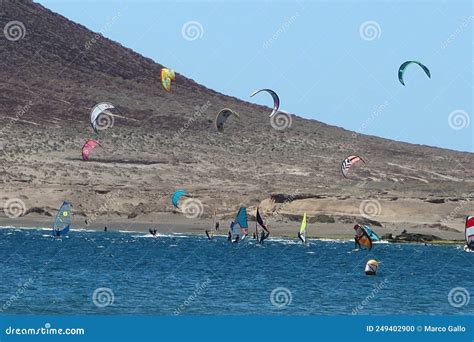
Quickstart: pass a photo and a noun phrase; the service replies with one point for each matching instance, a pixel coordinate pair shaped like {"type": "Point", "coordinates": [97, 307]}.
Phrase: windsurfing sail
{"type": "Point", "coordinates": [240, 225]}
{"type": "Point", "coordinates": [265, 232]}
{"type": "Point", "coordinates": [88, 147]}
{"type": "Point", "coordinates": [62, 221]}
{"type": "Point", "coordinates": [276, 99]}
{"type": "Point", "coordinates": [371, 233]}
{"type": "Point", "coordinates": [260, 222]}
{"type": "Point", "coordinates": [175, 197]}
{"type": "Point", "coordinates": [348, 163]}
{"type": "Point", "coordinates": [362, 236]}
{"type": "Point", "coordinates": [302, 233]}
{"type": "Point", "coordinates": [470, 232]}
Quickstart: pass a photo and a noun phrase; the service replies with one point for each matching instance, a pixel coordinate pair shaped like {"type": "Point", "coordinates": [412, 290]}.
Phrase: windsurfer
{"type": "Point", "coordinates": [263, 236]}
{"type": "Point", "coordinates": [300, 237]}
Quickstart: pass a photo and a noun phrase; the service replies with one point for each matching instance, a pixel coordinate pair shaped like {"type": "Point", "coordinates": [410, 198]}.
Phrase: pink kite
{"type": "Point", "coordinates": [88, 147]}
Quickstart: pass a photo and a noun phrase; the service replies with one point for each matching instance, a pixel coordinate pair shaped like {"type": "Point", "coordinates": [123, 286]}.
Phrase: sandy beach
{"type": "Point", "coordinates": [174, 224]}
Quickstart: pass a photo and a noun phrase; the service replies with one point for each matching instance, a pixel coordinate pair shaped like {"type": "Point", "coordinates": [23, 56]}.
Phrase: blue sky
{"type": "Point", "coordinates": [333, 61]}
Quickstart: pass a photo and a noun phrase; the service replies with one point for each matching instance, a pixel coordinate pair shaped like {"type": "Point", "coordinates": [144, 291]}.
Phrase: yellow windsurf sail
{"type": "Point", "coordinates": [302, 233]}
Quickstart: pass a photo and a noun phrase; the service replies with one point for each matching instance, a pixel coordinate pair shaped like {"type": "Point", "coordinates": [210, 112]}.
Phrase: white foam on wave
{"type": "Point", "coordinates": [335, 240]}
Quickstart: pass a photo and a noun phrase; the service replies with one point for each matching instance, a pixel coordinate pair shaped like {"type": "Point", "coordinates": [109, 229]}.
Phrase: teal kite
{"type": "Point", "coordinates": [401, 70]}
{"type": "Point", "coordinates": [176, 196]}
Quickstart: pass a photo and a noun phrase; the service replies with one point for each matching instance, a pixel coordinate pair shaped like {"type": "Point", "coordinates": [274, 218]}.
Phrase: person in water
{"type": "Point", "coordinates": [105, 228]}
{"type": "Point", "coordinates": [300, 237]}
{"type": "Point", "coordinates": [358, 234]}
{"type": "Point", "coordinates": [229, 236]}
{"type": "Point", "coordinates": [263, 236]}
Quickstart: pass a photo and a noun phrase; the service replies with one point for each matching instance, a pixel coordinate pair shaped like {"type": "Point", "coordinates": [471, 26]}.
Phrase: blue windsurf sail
{"type": "Point", "coordinates": [371, 233]}
{"type": "Point", "coordinates": [62, 222]}
{"type": "Point", "coordinates": [240, 225]}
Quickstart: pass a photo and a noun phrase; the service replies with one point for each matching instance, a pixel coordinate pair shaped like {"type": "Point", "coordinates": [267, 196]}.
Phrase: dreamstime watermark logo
{"type": "Point", "coordinates": [287, 201]}
{"type": "Point", "coordinates": [104, 121]}
{"type": "Point", "coordinates": [370, 208]}
{"type": "Point", "coordinates": [192, 30]}
{"type": "Point", "coordinates": [282, 29]}
{"type": "Point", "coordinates": [110, 200]}
{"type": "Point", "coordinates": [459, 209]}
{"type": "Point", "coordinates": [200, 110]}
{"type": "Point", "coordinates": [459, 30]}
{"type": "Point", "coordinates": [102, 31]}
{"type": "Point", "coordinates": [281, 297]}
{"type": "Point", "coordinates": [458, 297]}
{"type": "Point", "coordinates": [14, 30]}
{"type": "Point", "coordinates": [281, 121]}
{"type": "Point", "coordinates": [21, 111]}
{"type": "Point", "coordinates": [374, 115]}
{"type": "Point", "coordinates": [370, 30]}
{"type": "Point", "coordinates": [200, 288]}
{"type": "Point", "coordinates": [458, 119]}
{"type": "Point", "coordinates": [192, 208]}
{"type": "Point", "coordinates": [19, 292]}
{"type": "Point", "coordinates": [102, 297]}
{"type": "Point", "coordinates": [14, 207]}
{"type": "Point", "coordinates": [377, 288]}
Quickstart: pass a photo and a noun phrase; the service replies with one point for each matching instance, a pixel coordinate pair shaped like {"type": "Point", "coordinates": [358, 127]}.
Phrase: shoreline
{"type": "Point", "coordinates": [194, 232]}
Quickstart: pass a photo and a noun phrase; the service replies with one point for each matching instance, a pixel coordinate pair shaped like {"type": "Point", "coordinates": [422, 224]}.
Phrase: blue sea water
{"type": "Point", "coordinates": [116, 273]}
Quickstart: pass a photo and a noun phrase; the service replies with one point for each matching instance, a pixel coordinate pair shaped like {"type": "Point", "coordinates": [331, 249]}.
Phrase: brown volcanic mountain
{"type": "Point", "coordinates": [59, 70]}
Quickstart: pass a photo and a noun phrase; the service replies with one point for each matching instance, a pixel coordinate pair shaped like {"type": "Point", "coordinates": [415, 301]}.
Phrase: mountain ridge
{"type": "Point", "coordinates": [168, 140]}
